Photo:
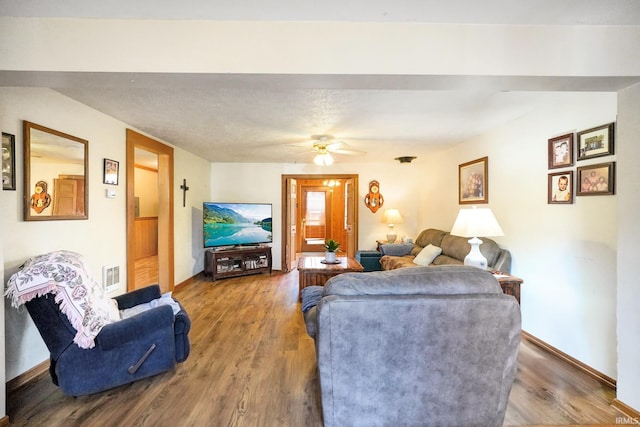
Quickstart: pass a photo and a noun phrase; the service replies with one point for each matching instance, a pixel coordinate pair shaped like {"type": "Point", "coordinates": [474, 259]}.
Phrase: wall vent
{"type": "Point", "coordinates": [110, 277]}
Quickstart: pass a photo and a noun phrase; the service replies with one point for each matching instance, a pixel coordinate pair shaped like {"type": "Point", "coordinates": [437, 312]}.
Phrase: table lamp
{"type": "Point", "coordinates": [392, 217]}
{"type": "Point", "coordinates": [473, 223]}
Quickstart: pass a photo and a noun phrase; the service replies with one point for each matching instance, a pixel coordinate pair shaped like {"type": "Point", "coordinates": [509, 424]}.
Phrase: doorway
{"type": "Point", "coordinates": [315, 218]}
{"type": "Point", "coordinates": [316, 208]}
{"type": "Point", "coordinates": [138, 238]}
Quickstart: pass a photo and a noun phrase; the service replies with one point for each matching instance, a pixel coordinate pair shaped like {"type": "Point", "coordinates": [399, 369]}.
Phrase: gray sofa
{"type": "Point", "coordinates": [454, 250]}
{"type": "Point", "coordinates": [427, 346]}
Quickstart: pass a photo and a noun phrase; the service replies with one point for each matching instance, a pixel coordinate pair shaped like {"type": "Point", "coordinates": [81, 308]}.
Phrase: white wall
{"type": "Point", "coordinates": [566, 254]}
{"type": "Point", "coordinates": [188, 246]}
{"type": "Point", "coordinates": [262, 182]}
{"type": "Point", "coordinates": [628, 237]}
{"type": "Point", "coordinates": [146, 192]}
{"type": "Point", "coordinates": [101, 238]}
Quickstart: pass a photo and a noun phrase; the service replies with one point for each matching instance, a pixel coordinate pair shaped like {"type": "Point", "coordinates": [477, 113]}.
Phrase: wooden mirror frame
{"type": "Point", "coordinates": [71, 176]}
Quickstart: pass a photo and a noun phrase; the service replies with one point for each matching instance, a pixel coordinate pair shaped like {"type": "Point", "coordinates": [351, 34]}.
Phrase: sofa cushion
{"type": "Point", "coordinates": [396, 249]}
{"type": "Point", "coordinates": [389, 262]}
{"type": "Point", "coordinates": [435, 280]}
{"type": "Point", "coordinates": [427, 255]}
{"type": "Point", "coordinates": [427, 237]}
{"type": "Point", "coordinates": [447, 260]}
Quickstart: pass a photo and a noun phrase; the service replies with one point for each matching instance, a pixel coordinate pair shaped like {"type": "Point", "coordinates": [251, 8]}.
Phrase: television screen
{"type": "Point", "coordinates": [232, 224]}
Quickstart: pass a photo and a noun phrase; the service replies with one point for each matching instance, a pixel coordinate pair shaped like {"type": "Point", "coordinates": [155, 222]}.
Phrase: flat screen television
{"type": "Point", "coordinates": [236, 224]}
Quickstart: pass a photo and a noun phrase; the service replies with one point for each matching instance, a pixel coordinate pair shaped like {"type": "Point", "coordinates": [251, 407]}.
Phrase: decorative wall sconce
{"type": "Point", "coordinates": [374, 200]}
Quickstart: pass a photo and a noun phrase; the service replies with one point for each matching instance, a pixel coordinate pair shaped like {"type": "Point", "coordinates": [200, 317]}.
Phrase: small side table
{"type": "Point", "coordinates": [510, 284]}
{"type": "Point", "coordinates": [313, 272]}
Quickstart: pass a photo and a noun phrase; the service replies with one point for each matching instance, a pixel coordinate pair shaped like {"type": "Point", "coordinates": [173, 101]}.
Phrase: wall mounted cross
{"type": "Point", "coordinates": [184, 189]}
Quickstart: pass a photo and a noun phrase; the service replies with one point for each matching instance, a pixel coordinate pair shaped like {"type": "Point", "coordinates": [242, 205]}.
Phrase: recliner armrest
{"type": "Point", "coordinates": [131, 329]}
{"type": "Point", "coordinates": [139, 296]}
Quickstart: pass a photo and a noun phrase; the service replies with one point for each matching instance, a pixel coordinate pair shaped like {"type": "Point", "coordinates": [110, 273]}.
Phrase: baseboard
{"type": "Point", "coordinates": [188, 281]}
{"type": "Point", "coordinates": [634, 416]}
{"type": "Point", "coordinates": [593, 373]}
{"type": "Point", "coordinates": [27, 376]}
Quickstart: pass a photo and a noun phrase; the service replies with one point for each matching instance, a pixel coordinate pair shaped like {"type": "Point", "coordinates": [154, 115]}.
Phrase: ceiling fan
{"type": "Point", "coordinates": [324, 146]}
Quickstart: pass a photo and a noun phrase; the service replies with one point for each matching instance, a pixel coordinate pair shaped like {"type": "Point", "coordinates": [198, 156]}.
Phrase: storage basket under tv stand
{"type": "Point", "coordinates": [238, 261]}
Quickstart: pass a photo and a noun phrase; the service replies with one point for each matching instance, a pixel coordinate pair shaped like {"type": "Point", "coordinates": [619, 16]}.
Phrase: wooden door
{"type": "Point", "coordinates": [68, 195]}
{"type": "Point", "coordinates": [350, 216]}
{"type": "Point", "coordinates": [290, 207]}
{"type": "Point", "coordinates": [65, 197]}
{"type": "Point", "coordinates": [315, 218]}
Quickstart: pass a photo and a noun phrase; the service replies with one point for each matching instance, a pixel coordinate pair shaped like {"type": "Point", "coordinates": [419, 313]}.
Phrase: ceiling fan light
{"type": "Point", "coordinates": [323, 159]}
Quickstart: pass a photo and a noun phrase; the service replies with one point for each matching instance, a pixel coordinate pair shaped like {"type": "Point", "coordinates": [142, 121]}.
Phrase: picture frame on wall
{"type": "Point", "coordinates": [473, 182]}
{"type": "Point", "coordinates": [8, 161]}
{"type": "Point", "coordinates": [560, 188]}
{"type": "Point", "coordinates": [596, 142]}
{"type": "Point", "coordinates": [596, 180]}
{"type": "Point", "coordinates": [561, 151]}
{"type": "Point", "coordinates": [111, 169]}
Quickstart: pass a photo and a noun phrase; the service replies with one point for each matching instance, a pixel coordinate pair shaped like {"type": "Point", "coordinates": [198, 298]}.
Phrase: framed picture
{"type": "Point", "coordinates": [8, 161]}
{"type": "Point", "coordinates": [473, 182]}
{"type": "Point", "coordinates": [596, 180]}
{"type": "Point", "coordinates": [560, 188]}
{"type": "Point", "coordinates": [596, 142]}
{"type": "Point", "coordinates": [111, 172]}
{"type": "Point", "coordinates": [561, 151]}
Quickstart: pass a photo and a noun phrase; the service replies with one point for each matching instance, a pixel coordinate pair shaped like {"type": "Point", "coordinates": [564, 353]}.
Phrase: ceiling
{"type": "Point", "coordinates": [270, 118]}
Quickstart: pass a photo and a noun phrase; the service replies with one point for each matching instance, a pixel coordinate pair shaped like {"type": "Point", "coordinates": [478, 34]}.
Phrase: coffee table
{"type": "Point", "coordinates": [312, 272]}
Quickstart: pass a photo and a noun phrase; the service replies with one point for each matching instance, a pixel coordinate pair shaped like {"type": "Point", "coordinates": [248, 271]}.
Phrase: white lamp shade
{"type": "Point", "coordinates": [476, 222]}
{"type": "Point", "coordinates": [392, 216]}
{"type": "Point", "coordinates": [473, 223]}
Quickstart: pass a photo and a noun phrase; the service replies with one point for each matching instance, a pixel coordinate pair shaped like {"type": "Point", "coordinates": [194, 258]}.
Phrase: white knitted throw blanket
{"type": "Point", "coordinates": [65, 275]}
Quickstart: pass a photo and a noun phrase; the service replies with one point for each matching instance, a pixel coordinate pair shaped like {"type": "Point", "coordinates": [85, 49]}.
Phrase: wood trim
{"type": "Point", "coordinates": [165, 205]}
{"type": "Point", "coordinates": [593, 373]}
{"type": "Point", "coordinates": [27, 376]}
{"type": "Point", "coordinates": [628, 411]}
{"type": "Point", "coordinates": [4, 421]}
{"type": "Point", "coordinates": [150, 169]}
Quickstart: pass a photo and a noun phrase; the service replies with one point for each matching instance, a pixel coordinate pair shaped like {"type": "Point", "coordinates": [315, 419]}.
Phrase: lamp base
{"type": "Point", "coordinates": [391, 236]}
{"type": "Point", "coordinates": [475, 257]}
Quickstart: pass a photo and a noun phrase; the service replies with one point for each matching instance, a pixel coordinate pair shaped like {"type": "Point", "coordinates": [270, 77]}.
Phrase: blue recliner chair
{"type": "Point", "coordinates": [96, 342]}
{"type": "Point", "coordinates": [137, 347]}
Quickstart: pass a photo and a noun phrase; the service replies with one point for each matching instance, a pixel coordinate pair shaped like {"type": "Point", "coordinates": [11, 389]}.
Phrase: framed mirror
{"type": "Point", "coordinates": [55, 175]}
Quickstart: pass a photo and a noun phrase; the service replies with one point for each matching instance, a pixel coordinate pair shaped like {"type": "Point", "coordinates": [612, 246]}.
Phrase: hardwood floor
{"type": "Point", "coordinates": [146, 271]}
{"type": "Point", "coordinates": [252, 364]}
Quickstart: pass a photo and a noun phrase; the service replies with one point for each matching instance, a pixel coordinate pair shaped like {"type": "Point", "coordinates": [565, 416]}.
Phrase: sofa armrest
{"type": "Point", "coordinates": [504, 262]}
{"type": "Point", "coordinates": [139, 296]}
{"type": "Point", "coordinates": [131, 329]}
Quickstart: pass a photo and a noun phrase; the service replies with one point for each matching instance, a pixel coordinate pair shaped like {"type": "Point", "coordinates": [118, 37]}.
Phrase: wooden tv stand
{"type": "Point", "coordinates": [235, 262]}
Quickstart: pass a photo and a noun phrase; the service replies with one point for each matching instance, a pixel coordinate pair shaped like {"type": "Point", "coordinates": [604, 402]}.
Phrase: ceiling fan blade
{"type": "Point", "coordinates": [340, 147]}
{"type": "Point", "coordinates": [349, 152]}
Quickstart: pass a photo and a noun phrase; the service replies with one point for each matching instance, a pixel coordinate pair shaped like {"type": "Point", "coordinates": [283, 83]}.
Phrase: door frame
{"type": "Point", "coordinates": [165, 209]}
{"type": "Point", "coordinates": [286, 210]}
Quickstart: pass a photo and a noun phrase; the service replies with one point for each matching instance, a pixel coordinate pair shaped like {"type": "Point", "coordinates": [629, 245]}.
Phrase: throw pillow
{"type": "Point", "coordinates": [427, 255]}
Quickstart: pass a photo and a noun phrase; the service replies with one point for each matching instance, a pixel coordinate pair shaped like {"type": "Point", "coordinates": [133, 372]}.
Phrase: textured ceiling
{"type": "Point", "coordinates": [275, 125]}
{"type": "Point", "coordinates": [258, 118]}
